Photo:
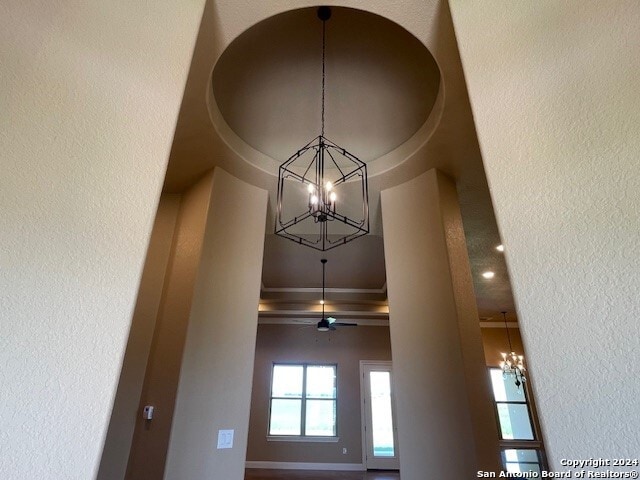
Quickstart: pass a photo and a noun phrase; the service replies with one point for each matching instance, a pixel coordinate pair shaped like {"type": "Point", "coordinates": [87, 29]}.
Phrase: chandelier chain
{"type": "Point", "coordinates": [504, 316]}
{"type": "Point", "coordinates": [314, 216]}
{"type": "Point", "coordinates": [324, 26]}
{"type": "Point", "coordinates": [324, 262]}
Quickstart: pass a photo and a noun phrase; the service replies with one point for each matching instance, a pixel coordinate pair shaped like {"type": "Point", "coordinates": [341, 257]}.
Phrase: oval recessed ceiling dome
{"type": "Point", "coordinates": [381, 83]}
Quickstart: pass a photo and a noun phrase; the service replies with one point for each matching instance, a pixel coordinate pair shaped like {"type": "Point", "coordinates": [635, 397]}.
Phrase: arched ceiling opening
{"type": "Point", "coordinates": [381, 84]}
{"type": "Point", "coordinates": [239, 126]}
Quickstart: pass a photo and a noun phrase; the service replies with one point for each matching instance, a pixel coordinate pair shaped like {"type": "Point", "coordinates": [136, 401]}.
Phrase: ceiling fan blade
{"type": "Point", "coordinates": [332, 327]}
{"type": "Point", "coordinates": [343, 324]}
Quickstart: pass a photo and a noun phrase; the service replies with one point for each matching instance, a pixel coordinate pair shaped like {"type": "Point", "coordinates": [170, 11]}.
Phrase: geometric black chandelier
{"type": "Point", "coordinates": [323, 198]}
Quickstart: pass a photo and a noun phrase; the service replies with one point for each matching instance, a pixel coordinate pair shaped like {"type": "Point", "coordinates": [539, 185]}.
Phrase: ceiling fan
{"type": "Point", "coordinates": [329, 323]}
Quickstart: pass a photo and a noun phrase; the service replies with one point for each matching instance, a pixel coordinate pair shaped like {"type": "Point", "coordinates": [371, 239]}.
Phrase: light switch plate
{"type": "Point", "coordinates": [225, 439]}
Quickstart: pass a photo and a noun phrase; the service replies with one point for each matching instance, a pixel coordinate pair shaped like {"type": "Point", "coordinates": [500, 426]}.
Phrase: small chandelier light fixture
{"type": "Point", "coordinates": [512, 364]}
{"type": "Point", "coordinates": [322, 188]}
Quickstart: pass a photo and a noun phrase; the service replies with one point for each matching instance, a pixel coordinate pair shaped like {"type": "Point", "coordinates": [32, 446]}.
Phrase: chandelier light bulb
{"type": "Point", "coordinates": [311, 188]}
{"type": "Point", "coordinates": [333, 196]}
{"type": "Point", "coordinates": [314, 199]}
{"type": "Point", "coordinates": [500, 248]}
{"type": "Point", "coordinates": [488, 275]}
{"type": "Point", "coordinates": [328, 186]}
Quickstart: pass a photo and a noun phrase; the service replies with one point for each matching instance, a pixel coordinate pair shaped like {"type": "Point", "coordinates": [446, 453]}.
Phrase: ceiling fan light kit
{"type": "Point", "coordinates": [310, 185]}
{"type": "Point", "coordinates": [324, 325]}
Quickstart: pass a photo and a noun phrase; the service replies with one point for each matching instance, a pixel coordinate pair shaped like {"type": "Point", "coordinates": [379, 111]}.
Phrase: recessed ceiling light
{"type": "Point", "coordinates": [488, 274]}
{"type": "Point", "coordinates": [500, 248]}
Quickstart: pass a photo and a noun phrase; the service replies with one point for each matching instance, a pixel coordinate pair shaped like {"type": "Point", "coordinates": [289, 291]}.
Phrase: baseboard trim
{"type": "Point", "coordinates": [344, 467]}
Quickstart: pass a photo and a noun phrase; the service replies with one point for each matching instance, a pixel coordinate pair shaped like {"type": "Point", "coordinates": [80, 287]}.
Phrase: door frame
{"type": "Point", "coordinates": [386, 365]}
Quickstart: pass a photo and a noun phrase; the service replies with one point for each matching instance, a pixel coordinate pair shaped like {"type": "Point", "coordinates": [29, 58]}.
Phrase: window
{"type": "Point", "coordinates": [521, 450]}
{"type": "Point", "coordinates": [521, 460]}
{"type": "Point", "coordinates": [514, 419]}
{"type": "Point", "coordinates": [303, 400]}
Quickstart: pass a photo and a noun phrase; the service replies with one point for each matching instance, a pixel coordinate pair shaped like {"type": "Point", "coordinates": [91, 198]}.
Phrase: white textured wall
{"type": "Point", "coordinates": [214, 391]}
{"type": "Point", "coordinates": [89, 95]}
{"type": "Point", "coordinates": [554, 91]}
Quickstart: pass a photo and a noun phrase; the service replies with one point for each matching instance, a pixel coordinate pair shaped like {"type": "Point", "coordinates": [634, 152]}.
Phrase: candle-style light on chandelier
{"type": "Point", "coordinates": [511, 363]}
{"type": "Point", "coordinates": [322, 188]}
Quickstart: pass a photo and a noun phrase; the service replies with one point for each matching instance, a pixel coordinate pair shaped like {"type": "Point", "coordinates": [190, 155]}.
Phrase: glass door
{"type": "Point", "coordinates": [380, 439]}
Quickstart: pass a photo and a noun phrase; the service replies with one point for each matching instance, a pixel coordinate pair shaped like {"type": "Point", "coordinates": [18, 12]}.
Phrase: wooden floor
{"type": "Point", "coordinates": [259, 474]}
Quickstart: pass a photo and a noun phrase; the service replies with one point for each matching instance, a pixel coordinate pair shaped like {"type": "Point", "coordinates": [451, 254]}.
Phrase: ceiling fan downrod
{"type": "Point", "coordinates": [323, 324]}
{"type": "Point", "coordinates": [329, 323]}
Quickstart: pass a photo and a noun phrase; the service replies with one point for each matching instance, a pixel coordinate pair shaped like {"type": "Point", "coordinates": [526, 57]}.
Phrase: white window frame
{"type": "Point", "coordinates": [303, 437]}
{"type": "Point", "coordinates": [509, 444]}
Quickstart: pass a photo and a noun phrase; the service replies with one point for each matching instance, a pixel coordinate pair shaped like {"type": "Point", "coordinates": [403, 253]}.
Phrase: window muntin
{"type": "Point", "coordinates": [303, 400]}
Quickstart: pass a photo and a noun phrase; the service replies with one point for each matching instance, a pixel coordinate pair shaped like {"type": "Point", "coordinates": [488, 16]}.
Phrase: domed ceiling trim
{"type": "Point", "coordinates": [377, 165]}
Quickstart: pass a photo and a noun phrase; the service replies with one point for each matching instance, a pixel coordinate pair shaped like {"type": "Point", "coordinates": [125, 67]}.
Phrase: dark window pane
{"type": "Point", "coordinates": [521, 460]}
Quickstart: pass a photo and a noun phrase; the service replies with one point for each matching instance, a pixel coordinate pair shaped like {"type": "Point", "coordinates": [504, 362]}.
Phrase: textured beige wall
{"type": "Point", "coordinates": [115, 455]}
{"type": "Point", "coordinates": [554, 91]}
{"type": "Point", "coordinates": [90, 94]}
{"type": "Point", "coordinates": [151, 439]}
{"type": "Point", "coordinates": [304, 344]}
{"type": "Point", "coordinates": [215, 379]}
{"type": "Point", "coordinates": [495, 341]}
{"type": "Point", "coordinates": [435, 429]}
